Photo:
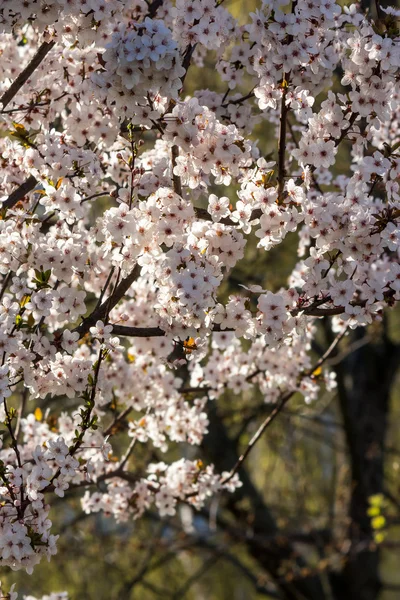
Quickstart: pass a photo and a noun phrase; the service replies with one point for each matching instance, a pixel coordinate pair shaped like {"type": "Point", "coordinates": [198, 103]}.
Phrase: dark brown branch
{"type": "Point", "coordinates": [101, 312]}
{"type": "Point", "coordinates": [6, 98]}
{"type": "Point", "coordinates": [6, 281]}
{"type": "Point", "coordinates": [311, 311]}
{"type": "Point", "coordinates": [153, 8]}
{"type": "Point", "coordinates": [20, 192]}
{"type": "Point", "coordinates": [325, 312]}
{"type": "Point", "coordinates": [187, 58]}
{"type": "Point", "coordinates": [138, 331]}
{"type": "Point", "coordinates": [26, 73]}
{"type": "Point", "coordinates": [352, 120]}
{"type": "Point", "coordinates": [282, 138]}
{"type": "Point", "coordinates": [239, 100]}
{"type": "Point", "coordinates": [283, 123]}
{"type": "Point", "coordinates": [379, 12]}
{"type": "Point", "coordinates": [125, 330]}
{"type": "Point", "coordinates": [175, 178]}
{"type": "Point", "coordinates": [28, 108]}
{"type": "Point", "coordinates": [97, 195]}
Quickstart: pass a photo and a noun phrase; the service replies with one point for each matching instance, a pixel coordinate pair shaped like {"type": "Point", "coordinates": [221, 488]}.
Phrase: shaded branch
{"type": "Point", "coordinates": [175, 178]}
{"type": "Point", "coordinates": [117, 420]}
{"type": "Point", "coordinates": [102, 311]}
{"type": "Point", "coordinates": [125, 330]}
{"type": "Point", "coordinates": [26, 73]}
{"type": "Point", "coordinates": [20, 192]}
{"type": "Point", "coordinates": [138, 331]}
{"type": "Point", "coordinates": [153, 8]}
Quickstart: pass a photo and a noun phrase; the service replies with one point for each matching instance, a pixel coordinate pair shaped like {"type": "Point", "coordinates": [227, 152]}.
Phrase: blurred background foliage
{"type": "Point", "coordinates": [300, 468]}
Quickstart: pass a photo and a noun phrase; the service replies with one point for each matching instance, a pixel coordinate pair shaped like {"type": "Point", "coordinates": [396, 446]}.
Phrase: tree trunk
{"type": "Point", "coordinates": [364, 381]}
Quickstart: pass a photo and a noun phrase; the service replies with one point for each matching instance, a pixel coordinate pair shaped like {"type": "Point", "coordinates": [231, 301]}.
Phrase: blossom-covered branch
{"type": "Point", "coordinates": [127, 312]}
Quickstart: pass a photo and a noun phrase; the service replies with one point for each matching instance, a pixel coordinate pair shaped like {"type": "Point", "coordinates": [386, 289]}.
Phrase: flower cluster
{"type": "Point", "coordinates": [69, 22]}
{"type": "Point", "coordinates": [12, 595]}
{"type": "Point", "coordinates": [164, 487]}
{"type": "Point", "coordinates": [208, 146]}
{"type": "Point", "coordinates": [142, 70]}
{"type": "Point", "coordinates": [202, 22]}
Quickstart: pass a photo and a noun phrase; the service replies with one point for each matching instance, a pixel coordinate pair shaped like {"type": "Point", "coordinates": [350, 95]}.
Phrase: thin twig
{"type": "Point", "coordinates": [117, 420]}
{"type": "Point", "coordinates": [97, 195]}
{"type": "Point", "coordinates": [127, 454]}
{"type": "Point", "coordinates": [279, 406]}
{"type": "Point", "coordinates": [107, 283]}
{"type": "Point", "coordinates": [238, 100]}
